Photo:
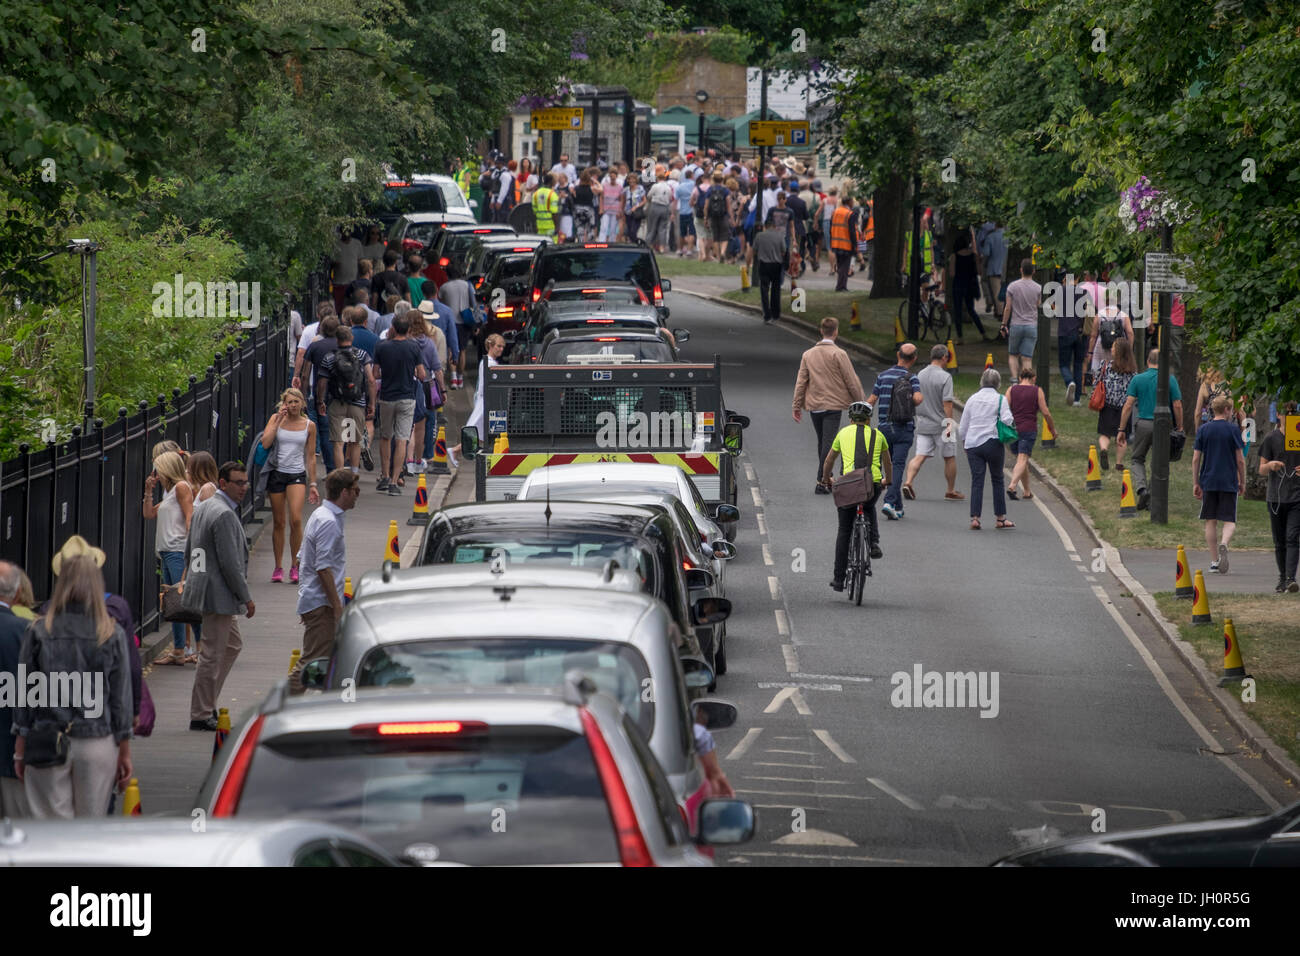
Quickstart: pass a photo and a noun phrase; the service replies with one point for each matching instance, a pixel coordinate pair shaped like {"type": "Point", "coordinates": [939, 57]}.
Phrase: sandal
{"type": "Point", "coordinates": [954, 496]}
{"type": "Point", "coordinates": [192, 658]}
{"type": "Point", "coordinates": [1004, 523]}
{"type": "Point", "coordinates": [1011, 493]}
{"type": "Point", "coordinates": [975, 524]}
{"type": "Point", "coordinates": [172, 656]}
{"type": "Point", "coordinates": [909, 493]}
{"type": "Point", "coordinates": [1027, 497]}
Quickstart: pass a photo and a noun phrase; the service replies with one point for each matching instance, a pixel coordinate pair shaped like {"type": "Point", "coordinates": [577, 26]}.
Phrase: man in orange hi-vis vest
{"type": "Point", "coordinates": [842, 241]}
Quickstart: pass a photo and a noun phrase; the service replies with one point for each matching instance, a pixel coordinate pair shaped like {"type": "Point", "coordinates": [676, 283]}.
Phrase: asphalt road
{"type": "Point", "coordinates": [842, 776]}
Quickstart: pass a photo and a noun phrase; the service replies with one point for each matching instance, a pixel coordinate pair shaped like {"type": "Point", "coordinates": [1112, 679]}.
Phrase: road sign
{"type": "Point", "coordinates": [557, 117]}
{"type": "Point", "coordinates": [1291, 432]}
{"type": "Point", "coordinates": [1165, 272]}
{"type": "Point", "coordinates": [779, 133]}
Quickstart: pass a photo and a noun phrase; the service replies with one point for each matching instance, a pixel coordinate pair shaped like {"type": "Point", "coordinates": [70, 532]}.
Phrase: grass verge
{"type": "Point", "coordinates": [1266, 634]}
{"type": "Point", "coordinates": [671, 266]}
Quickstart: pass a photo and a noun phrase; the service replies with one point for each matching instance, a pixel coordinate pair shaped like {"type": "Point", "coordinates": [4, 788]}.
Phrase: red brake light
{"type": "Point", "coordinates": [600, 321]}
{"type": "Point", "coordinates": [478, 283]}
{"type": "Point", "coordinates": [595, 245]}
{"type": "Point", "coordinates": [479, 232]}
{"type": "Point", "coordinates": [505, 313]}
{"type": "Point", "coordinates": [418, 728]}
{"type": "Point", "coordinates": [522, 249]}
{"type": "Point", "coordinates": [591, 291]}
{"type": "Point", "coordinates": [608, 338]}
{"type": "Point", "coordinates": [444, 262]}
{"type": "Point", "coordinates": [632, 849]}
{"type": "Point", "coordinates": [228, 797]}
{"type": "Point", "coordinates": [659, 294]}
{"type": "Point", "coordinates": [537, 294]}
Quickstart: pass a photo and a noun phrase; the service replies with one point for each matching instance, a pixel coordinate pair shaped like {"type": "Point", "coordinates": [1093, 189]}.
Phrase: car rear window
{"type": "Point", "coordinates": [565, 548]}
{"type": "Point", "coordinates": [627, 350]}
{"type": "Point", "coordinates": [513, 267]}
{"type": "Point", "coordinates": [452, 197]}
{"type": "Point", "coordinates": [619, 265]}
{"type": "Point", "coordinates": [620, 296]}
{"type": "Point", "coordinates": [618, 669]}
{"type": "Point", "coordinates": [579, 490]}
{"type": "Point", "coordinates": [515, 795]}
{"type": "Point", "coordinates": [422, 197]}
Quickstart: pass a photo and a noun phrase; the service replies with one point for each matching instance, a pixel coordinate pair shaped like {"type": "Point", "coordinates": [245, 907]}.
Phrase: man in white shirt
{"type": "Point", "coordinates": [564, 166]}
{"type": "Point", "coordinates": [347, 253]}
{"type": "Point", "coordinates": [769, 199]}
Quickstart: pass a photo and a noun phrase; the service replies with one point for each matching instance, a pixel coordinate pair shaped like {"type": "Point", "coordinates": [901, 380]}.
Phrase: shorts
{"type": "Point", "coordinates": [1219, 506]}
{"type": "Point", "coordinates": [686, 225]}
{"type": "Point", "coordinates": [925, 446]}
{"type": "Point", "coordinates": [1108, 420]}
{"type": "Point", "coordinates": [396, 419]}
{"type": "Point", "coordinates": [277, 481]}
{"type": "Point", "coordinates": [702, 228]}
{"type": "Point", "coordinates": [1021, 340]}
{"type": "Point", "coordinates": [340, 412]}
{"type": "Point", "coordinates": [1024, 445]}
{"type": "Point", "coordinates": [720, 229]}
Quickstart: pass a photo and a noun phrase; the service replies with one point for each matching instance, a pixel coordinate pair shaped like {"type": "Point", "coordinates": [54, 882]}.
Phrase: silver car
{"type": "Point", "coordinates": [534, 776]}
{"type": "Point", "coordinates": [598, 480]}
{"type": "Point", "coordinates": [495, 635]}
{"type": "Point", "coordinates": [197, 841]}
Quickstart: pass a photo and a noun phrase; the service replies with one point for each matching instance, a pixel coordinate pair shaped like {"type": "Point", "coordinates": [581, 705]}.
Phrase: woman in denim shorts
{"type": "Point", "coordinates": [1026, 400]}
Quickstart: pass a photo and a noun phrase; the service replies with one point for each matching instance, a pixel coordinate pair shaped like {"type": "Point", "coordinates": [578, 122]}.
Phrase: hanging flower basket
{"type": "Point", "coordinates": [1142, 207]}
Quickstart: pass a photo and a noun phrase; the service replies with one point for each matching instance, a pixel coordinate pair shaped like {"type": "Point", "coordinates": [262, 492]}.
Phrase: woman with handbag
{"type": "Point", "coordinates": [173, 515]}
{"type": "Point", "coordinates": [1107, 399]}
{"type": "Point", "coordinates": [69, 753]}
{"type": "Point", "coordinates": [987, 422]}
{"type": "Point", "coordinates": [1027, 401]}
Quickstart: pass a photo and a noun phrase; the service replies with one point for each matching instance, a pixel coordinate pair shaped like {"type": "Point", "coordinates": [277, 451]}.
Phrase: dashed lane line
{"type": "Point", "coordinates": [902, 798]}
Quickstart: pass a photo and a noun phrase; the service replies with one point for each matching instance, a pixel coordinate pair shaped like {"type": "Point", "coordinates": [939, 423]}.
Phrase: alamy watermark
{"type": "Point", "coordinates": [653, 430]}
{"type": "Point", "coordinates": [207, 299]}
{"type": "Point", "coordinates": [922, 688]}
{"type": "Point", "coordinates": [74, 690]}
{"type": "Point", "coordinates": [1070, 299]}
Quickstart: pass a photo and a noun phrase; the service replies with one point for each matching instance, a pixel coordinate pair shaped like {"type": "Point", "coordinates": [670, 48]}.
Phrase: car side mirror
{"type": "Point", "coordinates": [723, 550]}
{"type": "Point", "coordinates": [733, 437]}
{"type": "Point", "coordinates": [665, 285]}
{"type": "Point", "coordinates": [473, 203]}
{"type": "Point", "coordinates": [315, 673]}
{"type": "Point", "coordinates": [714, 714]}
{"type": "Point", "coordinates": [697, 578]}
{"type": "Point", "coordinates": [711, 610]}
{"type": "Point", "coordinates": [699, 675]}
{"type": "Point", "coordinates": [725, 821]}
{"type": "Point", "coordinates": [741, 420]}
{"type": "Point", "coordinates": [469, 442]}
{"type": "Point", "coordinates": [682, 335]}
{"type": "Point", "coordinates": [726, 514]}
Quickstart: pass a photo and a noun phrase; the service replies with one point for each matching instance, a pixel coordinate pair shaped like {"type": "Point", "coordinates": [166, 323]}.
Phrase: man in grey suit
{"type": "Point", "coordinates": [216, 585]}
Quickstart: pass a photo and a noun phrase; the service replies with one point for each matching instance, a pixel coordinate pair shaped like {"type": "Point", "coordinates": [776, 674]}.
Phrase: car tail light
{"type": "Point", "coordinates": [608, 338]}
{"type": "Point", "coordinates": [478, 283]}
{"type": "Point", "coordinates": [632, 849]}
{"type": "Point", "coordinates": [591, 291]}
{"type": "Point", "coordinates": [659, 295]}
{"type": "Point", "coordinates": [537, 294]}
{"type": "Point", "coordinates": [595, 245]}
{"type": "Point", "coordinates": [522, 249]}
{"type": "Point", "coordinates": [412, 244]}
{"type": "Point", "coordinates": [479, 232]}
{"type": "Point", "coordinates": [600, 321]}
{"type": "Point", "coordinates": [444, 262]}
{"type": "Point", "coordinates": [228, 796]}
{"type": "Point", "coordinates": [505, 313]}
{"type": "Point", "coordinates": [419, 728]}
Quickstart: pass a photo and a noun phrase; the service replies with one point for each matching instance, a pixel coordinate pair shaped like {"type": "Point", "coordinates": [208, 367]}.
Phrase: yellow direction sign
{"type": "Point", "coordinates": [779, 133]}
{"type": "Point", "coordinates": [1291, 432]}
{"type": "Point", "coordinates": [557, 117]}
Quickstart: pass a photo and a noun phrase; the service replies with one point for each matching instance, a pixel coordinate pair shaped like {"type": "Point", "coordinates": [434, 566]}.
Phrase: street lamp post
{"type": "Point", "coordinates": [701, 97]}
{"type": "Point", "coordinates": [1163, 423]}
{"type": "Point", "coordinates": [88, 250]}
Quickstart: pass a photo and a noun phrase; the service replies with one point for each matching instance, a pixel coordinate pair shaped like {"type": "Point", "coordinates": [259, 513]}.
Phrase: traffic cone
{"type": "Point", "coordinates": [1092, 481]}
{"type": "Point", "coordinates": [952, 358]}
{"type": "Point", "coordinates": [1234, 669]}
{"type": "Point", "coordinates": [1200, 600]}
{"type": "Point", "coordinates": [1127, 502]}
{"type": "Point", "coordinates": [223, 731]}
{"type": "Point", "coordinates": [988, 362]}
{"type": "Point", "coordinates": [439, 464]}
{"type": "Point", "coordinates": [1183, 577]}
{"type": "Point", "coordinates": [347, 590]}
{"type": "Point", "coordinates": [744, 277]}
{"type": "Point", "coordinates": [1047, 437]}
{"type": "Point", "coordinates": [393, 551]}
{"type": "Point", "coordinates": [131, 799]}
{"type": "Point", "coordinates": [295, 656]}
{"type": "Point", "coordinates": [899, 337]}
{"type": "Point", "coordinates": [854, 321]}
{"type": "Point", "coordinates": [420, 510]}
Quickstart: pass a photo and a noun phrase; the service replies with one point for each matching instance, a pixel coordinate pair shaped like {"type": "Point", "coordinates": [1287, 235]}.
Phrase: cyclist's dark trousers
{"type": "Point", "coordinates": [847, 516]}
{"type": "Point", "coordinates": [826, 425]}
{"type": "Point", "coordinates": [963, 300]}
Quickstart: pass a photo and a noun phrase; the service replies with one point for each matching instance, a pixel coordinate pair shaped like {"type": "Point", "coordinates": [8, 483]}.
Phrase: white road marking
{"type": "Point", "coordinates": [1060, 530]}
{"type": "Point", "coordinates": [797, 793]}
{"type": "Point", "coordinates": [762, 522]}
{"type": "Point", "coordinates": [860, 680]}
{"type": "Point", "coordinates": [790, 779]}
{"type": "Point", "coordinates": [758, 499]}
{"type": "Point", "coordinates": [782, 622]}
{"type": "Point", "coordinates": [1090, 577]}
{"type": "Point", "coordinates": [767, 556]}
{"type": "Point", "coordinates": [749, 471]}
{"type": "Point", "coordinates": [787, 650]}
{"type": "Point", "coordinates": [774, 586]}
{"type": "Point", "coordinates": [1081, 569]}
{"type": "Point", "coordinates": [1177, 701]}
{"type": "Point", "coordinates": [769, 685]}
{"type": "Point", "coordinates": [825, 737]}
{"type": "Point", "coordinates": [831, 856]}
{"type": "Point", "coordinates": [900, 797]}
{"type": "Point", "coordinates": [797, 766]}
{"type": "Point", "coordinates": [746, 742]}
{"type": "Point", "coordinates": [814, 838]}
{"type": "Point", "coordinates": [1074, 556]}
{"type": "Point", "coordinates": [802, 753]}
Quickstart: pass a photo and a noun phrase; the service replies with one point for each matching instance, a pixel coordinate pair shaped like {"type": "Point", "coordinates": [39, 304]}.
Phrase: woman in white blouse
{"type": "Point", "coordinates": [984, 450]}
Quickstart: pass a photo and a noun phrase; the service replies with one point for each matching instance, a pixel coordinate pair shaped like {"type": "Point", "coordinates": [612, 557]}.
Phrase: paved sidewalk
{"type": "Point", "coordinates": [1249, 572]}
{"type": "Point", "coordinates": [172, 762]}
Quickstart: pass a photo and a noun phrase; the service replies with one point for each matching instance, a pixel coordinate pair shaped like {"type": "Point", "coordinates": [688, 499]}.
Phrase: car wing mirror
{"type": "Point", "coordinates": [697, 578]}
{"type": "Point", "coordinates": [315, 673]}
{"type": "Point", "coordinates": [725, 821]}
{"type": "Point", "coordinates": [711, 610]}
{"type": "Point", "coordinates": [723, 550]}
{"type": "Point", "coordinates": [469, 441]}
{"type": "Point", "coordinates": [665, 285]}
{"type": "Point", "coordinates": [682, 335]}
{"type": "Point", "coordinates": [726, 513]}
{"type": "Point", "coordinates": [714, 714]}
{"type": "Point", "coordinates": [698, 673]}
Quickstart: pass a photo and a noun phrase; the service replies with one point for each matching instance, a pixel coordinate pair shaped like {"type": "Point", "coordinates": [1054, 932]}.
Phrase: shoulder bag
{"type": "Point", "coordinates": [46, 746]}
{"type": "Point", "coordinates": [173, 609]}
{"type": "Point", "coordinates": [857, 486]}
{"type": "Point", "coordinates": [1097, 400]}
{"type": "Point", "coordinates": [1006, 432]}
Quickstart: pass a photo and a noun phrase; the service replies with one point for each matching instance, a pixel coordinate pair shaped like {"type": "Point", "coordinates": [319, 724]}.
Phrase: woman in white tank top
{"type": "Point", "coordinates": [173, 515]}
{"type": "Point", "coordinates": [292, 436]}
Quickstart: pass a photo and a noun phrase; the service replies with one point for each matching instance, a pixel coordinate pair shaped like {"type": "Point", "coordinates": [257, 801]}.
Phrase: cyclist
{"type": "Point", "coordinates": [858, 435]}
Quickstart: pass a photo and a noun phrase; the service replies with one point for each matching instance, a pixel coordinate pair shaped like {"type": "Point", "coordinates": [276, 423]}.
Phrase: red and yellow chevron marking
{"type": "Point", "coordinates": [693, 463]}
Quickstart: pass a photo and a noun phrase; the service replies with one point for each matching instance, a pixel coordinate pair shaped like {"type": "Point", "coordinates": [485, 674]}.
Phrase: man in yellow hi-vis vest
{"type": "Point", "coordinates": [546, 203]}
{"type": "Point", "coordinates": [927, 250]}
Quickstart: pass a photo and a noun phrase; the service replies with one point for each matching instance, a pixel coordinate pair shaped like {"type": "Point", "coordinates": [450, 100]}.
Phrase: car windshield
{"type": "Point", "coordinates": [609, 264]}
{"type": "Point", "coordinates": [421, 197]}
{"type": "Point", "coordinates": [626, 350]}
{"type": "Point", "coordinates": [450, 793]}
{"type": "Point", "coordinates": [617, 669]}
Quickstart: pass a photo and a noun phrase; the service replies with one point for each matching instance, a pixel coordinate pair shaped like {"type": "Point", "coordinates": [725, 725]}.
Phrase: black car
{"type": "Point", "coordinates": [504, 291]}
{"type": "Point", "coordinates": [484, 248]}
{"type": "Point", "coordinates": [606, 346]}
{"type": "Point", "coordinates": [452, 244]}
{"type": "Point", "coordinates": [599, 262]}
{"type": "Point", "coordinates": [576, 534]}
{"type": "Point", "coordinates": [579, 314]}
{"type": "Point", "coordinates": [1272, 840]}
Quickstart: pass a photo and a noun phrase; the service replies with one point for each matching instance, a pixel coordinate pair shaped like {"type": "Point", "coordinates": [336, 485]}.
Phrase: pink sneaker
{"type": "Point", "coordinates": [278, 576]}
{"type": "Point", "coordinates": [293, 574]}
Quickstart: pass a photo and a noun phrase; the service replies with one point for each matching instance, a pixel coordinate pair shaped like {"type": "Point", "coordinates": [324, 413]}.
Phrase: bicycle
{"type": "Point", "coordinates": [859, 566]}
{"type": "Point", "coordinates": [933, 318]}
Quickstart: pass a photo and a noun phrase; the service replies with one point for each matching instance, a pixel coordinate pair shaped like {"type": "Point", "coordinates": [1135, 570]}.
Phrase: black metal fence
{"type": "Point", "coordinates": [93, 484]}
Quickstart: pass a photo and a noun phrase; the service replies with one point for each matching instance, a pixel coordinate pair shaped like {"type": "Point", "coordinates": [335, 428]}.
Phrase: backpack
{"type": "Point", "coordinates": [347, 384]}
{"type": "Point", "coordinates": [716, 203]}
{"type": "Point", "coordinates": [700, 194]}
{"type": "Point", "coordinates": [902, 411]}
{"type": "Point", "coordinates": [1109, 330]}
{"type": "Point", "coordinates": [490, 182]}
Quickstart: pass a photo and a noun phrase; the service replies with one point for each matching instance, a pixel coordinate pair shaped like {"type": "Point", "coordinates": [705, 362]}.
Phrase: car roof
{"type": "Point", "coordinates": [598, 308]}
{"type": "Point", "coordinates": [492, 516]}
{"type": "Point", "coordinates": [422, 217]}
{"type": "Point", "coordinates": [432, 576]}
{"type": "Point", "coordinates": [517, 239]}
{"type": "Point", "coordinates": [587, 247]}
{"type": "Point", "coordinates": [674, 506]}
{"type": "Point", "coordinates": [492, 228]}
{"type": "Point", "coordinates": [616, 285]}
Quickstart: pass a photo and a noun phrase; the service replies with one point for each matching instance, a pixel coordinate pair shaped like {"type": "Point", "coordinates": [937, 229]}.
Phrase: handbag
{"type": "Point", "coordinates": [1006, 432]}
{"type": "Point", "coordinates": [856, 486]}
{"type": "Point", "coordinates": [1177, 439]}
{"type": "Point", "coordinates": [260, 455]}
{"type": "Point", "coordinates": [171, 601]}
{"type": "Point", "coordinates": [432, 394]}
{"type": "Point", "coordinates": [148, 715]}
{"type": "Point", "coordinates": [47, 746]}
{"type": "Point", "coordinates": [1097, 400]}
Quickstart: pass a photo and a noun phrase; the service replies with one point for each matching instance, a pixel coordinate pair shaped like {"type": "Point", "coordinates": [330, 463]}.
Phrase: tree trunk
{"type": "Point", "coordinates": [890, 222]}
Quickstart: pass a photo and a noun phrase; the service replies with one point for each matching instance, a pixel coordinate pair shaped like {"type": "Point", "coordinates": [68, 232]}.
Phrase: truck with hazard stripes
{"type": "Point", "coordinates": [665, 413]}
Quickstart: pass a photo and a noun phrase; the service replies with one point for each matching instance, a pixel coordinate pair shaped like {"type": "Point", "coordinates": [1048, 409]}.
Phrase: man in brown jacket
{"type": "Point", "coordinates": [826, 386]}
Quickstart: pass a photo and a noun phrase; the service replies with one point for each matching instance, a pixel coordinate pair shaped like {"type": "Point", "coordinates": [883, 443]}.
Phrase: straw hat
{"type": "Point", "coordinates": [77, 547]}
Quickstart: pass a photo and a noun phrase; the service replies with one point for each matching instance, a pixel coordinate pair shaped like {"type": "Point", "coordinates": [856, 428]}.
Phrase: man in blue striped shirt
{"type": "Point", "coordinates": [898, 425]}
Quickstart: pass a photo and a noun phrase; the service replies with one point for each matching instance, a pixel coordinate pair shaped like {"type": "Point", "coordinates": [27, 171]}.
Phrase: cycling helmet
{"type": "Point", "coordinates": [860, 412]}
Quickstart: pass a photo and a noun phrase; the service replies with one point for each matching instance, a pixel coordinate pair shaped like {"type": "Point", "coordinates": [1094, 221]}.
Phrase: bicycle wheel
{"type": "Point", "coordinates": [939, 322]}
{"type": "Point", "coordinates": [902, 316]}
{"type": "Point", "coordinates": [860, 546]}
{"type": "Point", "coordinates": [853, 568]}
